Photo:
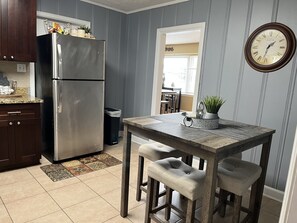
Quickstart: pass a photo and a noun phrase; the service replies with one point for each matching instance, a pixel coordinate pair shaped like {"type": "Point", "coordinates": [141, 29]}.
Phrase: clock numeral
{"type": "Point", "coordinates": [264, 35]}
{"type": "Point", "coordinates": [265, 60]}
{"type": "Point", "coordinates": [270, 33]}
{"type": "Point", "coordinates": [259, 58]}
{"type": "Point", "coordinates": [255, 53]}
{"type": "Point", "coordinates": [282, 47]}
{"type": "Point", "coordinates": [279, 54]}
{"type": "Point", "coordinates": [258, 40]}
{"type": "Point", "coordinates": [282, 40]}
{"type": "Point", "coordinates": [255, 47]}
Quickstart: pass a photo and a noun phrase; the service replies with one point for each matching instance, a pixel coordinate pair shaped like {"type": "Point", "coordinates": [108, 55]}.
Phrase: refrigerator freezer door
{"type": "Point", "coordinates": [78, 118]}
{"type": "Point", "coordinates": [78, 58]}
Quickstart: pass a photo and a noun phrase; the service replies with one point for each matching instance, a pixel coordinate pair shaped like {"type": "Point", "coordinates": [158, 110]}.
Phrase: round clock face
{"type": "Point", "coordinates": [270, 47]}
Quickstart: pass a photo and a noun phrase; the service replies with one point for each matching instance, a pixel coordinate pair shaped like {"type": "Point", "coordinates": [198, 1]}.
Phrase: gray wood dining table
{"type": "Point", "coordinates": [211, 145]}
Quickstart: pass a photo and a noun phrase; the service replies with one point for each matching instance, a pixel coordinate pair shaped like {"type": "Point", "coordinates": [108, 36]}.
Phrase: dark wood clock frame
{"type": "Point", "coordinates": [289, 53]}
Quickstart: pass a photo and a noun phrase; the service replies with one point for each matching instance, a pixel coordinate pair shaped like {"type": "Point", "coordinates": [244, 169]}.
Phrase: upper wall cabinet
{"type": "Point", "coordinates": [18, 30]}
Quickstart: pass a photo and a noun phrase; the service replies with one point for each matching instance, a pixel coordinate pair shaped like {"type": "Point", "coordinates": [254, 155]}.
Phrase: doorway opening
{"type": "Point", "coordinates": [177, 68]}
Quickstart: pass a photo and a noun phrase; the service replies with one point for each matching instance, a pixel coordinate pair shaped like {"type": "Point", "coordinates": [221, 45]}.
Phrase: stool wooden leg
{"type": "Point", "coordinates": [190, 213]}
{"type": "Point", "coordinates": [149, 199]}
{"type": "Point", "coordinates": [168, 202]}
{"type": "Point", "coordinates": [201, 164]}
{"type": "Point", "coordinates": [139, 177]}
{"type": "Point", "coordinates": [237, 207]}
{"type": "Point", "coordinates": [188, 159]}
{"type": "Point", "coordinates": [222, 202]}
{"type": "Point", "coordinates": [156, 193]}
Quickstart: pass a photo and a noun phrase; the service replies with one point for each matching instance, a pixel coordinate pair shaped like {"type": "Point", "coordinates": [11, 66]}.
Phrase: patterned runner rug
{"type": "Point", "coordinates": [80, 166]}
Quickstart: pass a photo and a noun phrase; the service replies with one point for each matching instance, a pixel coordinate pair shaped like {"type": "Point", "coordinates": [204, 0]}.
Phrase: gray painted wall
{"type": "Point", "coordinates": [263, 99]}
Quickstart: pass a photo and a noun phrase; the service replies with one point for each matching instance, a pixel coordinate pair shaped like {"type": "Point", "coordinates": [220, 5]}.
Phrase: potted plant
{"type": "Point", "coordinates": [212, 105]}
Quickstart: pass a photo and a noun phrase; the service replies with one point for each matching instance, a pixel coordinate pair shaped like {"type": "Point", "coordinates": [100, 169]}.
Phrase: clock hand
{"type": "Point", "coordinates": [270, 45]}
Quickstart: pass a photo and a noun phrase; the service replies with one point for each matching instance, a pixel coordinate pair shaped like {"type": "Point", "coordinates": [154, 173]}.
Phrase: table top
{"type": "Point", "coordinates": [230, 134]}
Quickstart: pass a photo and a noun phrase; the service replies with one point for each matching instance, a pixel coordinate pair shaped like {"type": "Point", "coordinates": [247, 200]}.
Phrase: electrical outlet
{"type": "Point", "coordinates": [21, 68]}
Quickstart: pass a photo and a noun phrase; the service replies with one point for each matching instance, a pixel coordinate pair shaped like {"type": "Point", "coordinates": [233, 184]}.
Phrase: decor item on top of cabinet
{"type": "Point", "coordinates": [270, 47]}
{"type": "Point", "coordinates": [206, 116]}
{"type": "Point", "coordinates": [68, 29]}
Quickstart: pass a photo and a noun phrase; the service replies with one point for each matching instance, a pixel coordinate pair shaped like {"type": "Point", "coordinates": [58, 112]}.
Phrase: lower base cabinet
{"type": "Point", "coordinates": [20, 135]}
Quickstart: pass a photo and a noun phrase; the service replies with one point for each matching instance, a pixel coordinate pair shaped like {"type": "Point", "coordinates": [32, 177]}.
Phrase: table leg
{"type": "Point", "coordinates": [209, 190]}
{"type": "Point", "coordinates": [258, 187]}
{"type": "Point", "coordinates": [125, 172]}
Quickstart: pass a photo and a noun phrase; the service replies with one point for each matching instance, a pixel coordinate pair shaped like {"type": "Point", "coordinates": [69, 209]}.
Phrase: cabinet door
{"type": "Point", "coordinates": [27, 140]}
{"type": "Point", "coordinates": [6, 143]}
{"type": "Point", "coordinates": [3, 29]}
{"type": "Point", "coordinates": [18, 30]}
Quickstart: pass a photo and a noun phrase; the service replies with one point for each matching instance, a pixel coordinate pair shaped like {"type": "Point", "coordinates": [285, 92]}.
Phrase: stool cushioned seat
{"type": "Point", "coordinates": [157, 151]}
{"type": "Point", "coordinates": [236, 175]}
{"type": "Point", "coordinates": [178, 176]}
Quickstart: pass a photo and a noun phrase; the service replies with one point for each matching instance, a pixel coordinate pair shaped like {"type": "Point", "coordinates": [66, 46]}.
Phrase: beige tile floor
{"type": "Point", "coordinates": [28, 195]}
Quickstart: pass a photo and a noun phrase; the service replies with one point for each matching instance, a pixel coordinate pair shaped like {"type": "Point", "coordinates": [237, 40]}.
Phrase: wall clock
{"type": "Point", "coordinates": [270, 47]}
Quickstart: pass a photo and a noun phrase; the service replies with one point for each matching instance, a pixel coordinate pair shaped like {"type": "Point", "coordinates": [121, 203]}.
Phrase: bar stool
{"type": "Point", "coordinates": [178, 176]}
{"type": "Point", "coordinates": [236, 176]}
{"type": "Point", "coordinates": [153, 152]}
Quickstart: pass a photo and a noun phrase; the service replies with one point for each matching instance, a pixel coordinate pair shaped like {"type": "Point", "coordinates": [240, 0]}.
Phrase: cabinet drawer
{"type": "Point", "coordinates": [20, 112]}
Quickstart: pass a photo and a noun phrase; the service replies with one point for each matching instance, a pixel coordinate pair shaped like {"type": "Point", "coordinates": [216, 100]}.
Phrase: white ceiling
{"type": "Point", "coordinates": [192, 36]}
{"type": "Point", "coordinates": [130, 6]}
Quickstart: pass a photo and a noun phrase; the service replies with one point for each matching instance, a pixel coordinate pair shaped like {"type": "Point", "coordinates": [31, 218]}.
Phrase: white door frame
{"type": "Point", "coordinates": [159, 55]}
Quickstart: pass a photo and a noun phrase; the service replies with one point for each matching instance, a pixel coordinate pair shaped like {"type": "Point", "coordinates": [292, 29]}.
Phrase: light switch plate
{"type": "Point", "coordinates": [21, 68]}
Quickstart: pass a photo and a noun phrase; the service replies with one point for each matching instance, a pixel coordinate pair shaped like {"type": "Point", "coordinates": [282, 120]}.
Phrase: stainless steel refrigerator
{"type": "Point", "coordinates": [70, 73]}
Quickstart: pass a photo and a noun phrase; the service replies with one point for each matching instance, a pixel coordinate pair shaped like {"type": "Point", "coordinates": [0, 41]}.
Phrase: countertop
{"type": "Point", "coordinates": [23, 99]}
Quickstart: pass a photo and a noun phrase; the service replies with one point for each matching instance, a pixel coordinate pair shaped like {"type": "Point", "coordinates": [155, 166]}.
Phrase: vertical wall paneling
{"type": "Point", "coordinates": [140, 78]}
{"type": "Point", "coordinates": [239, 14]}
{"type": "Point", "coordinates": [132, 53]}
{"type": "Point", "coordinates": [224, 40]}
{"type": "Point", "coordinates": [50, 6]}
{"type": "Point", "coordinates": [123, 61]}
{"type": "Point", "coordinates": [99, 21]}
{"type": "Point", "coordinates": [214, 46]}
{"type": "Point", "coordinates": [288, 108]}
{"type": "Point", "coordinates": [251, 88]}
{"type": "Point", "coordinates": [113, 78]}
{"type": "Point", "coordinates": [156, 18]}
{"type": "Point", "coordinates": [200, 11]}
{"type": "Point", "coordinates": [84, 11]}
{"type": "Point", "coordinates": [169, 16]}
{"type": "Point", "coordinates": [184, 13]}
{"type": "Point", "coordinates": [67, 8]}
{"type": "Point", "coordinates": [38, 5]}
{"type": "Point", "coordinates": [203, 12]}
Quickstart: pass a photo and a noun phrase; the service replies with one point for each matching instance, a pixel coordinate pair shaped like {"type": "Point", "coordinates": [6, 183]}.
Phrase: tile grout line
{"type": "Point", "coordinates": [51, 198]}
{"type": "Point", "coordinates": [6, 209]}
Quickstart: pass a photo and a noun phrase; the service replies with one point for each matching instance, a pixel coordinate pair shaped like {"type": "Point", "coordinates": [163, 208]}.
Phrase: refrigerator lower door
{"type": "Point", "coordinates": [78, 118]}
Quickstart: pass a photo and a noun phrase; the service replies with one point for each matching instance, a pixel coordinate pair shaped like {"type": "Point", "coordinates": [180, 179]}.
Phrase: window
{"type": "Point", "coordinates": [180, 72]}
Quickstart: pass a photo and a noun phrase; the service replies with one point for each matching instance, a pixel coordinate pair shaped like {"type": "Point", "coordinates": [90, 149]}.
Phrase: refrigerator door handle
{"type": "Point", "coordinates": [59, 98]}
{"type": "Point", "coordinates": [60, 62]}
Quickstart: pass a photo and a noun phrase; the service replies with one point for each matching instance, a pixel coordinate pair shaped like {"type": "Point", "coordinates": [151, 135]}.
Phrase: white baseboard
{"type": "Point", "coordinates": [273, 193]}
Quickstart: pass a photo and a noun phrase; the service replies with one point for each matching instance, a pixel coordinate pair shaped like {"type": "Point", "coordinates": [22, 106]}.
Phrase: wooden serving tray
{"type": "Point", "coordinates": [10, 95]}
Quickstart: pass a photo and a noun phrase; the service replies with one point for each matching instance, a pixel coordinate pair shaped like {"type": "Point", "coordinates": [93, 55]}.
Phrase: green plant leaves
{"type": "Point", "coordinates": [213, 103]}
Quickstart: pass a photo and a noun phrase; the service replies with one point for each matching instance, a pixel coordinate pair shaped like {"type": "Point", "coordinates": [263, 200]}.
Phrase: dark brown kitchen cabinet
{"type": "Point", "coordinates": [18, 30]}
{"type": "Point", "coordinates": [20, 138]}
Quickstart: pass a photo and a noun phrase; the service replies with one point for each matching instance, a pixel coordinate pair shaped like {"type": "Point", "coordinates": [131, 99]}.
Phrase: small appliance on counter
{"type": "Point", "coordinates": [70, 75]}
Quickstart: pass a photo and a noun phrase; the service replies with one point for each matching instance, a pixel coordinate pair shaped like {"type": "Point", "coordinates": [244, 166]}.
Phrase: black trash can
{"type": "Point", "coordinates": [111, 125]}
